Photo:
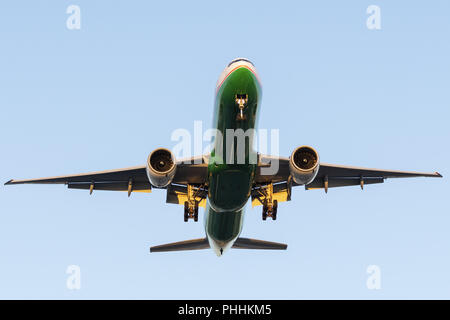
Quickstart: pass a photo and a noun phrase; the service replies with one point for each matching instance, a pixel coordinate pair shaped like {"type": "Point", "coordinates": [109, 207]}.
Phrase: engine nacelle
{"type": "Point", "coordinates": [304, 165]}
{"type": "Point", "coordinates": [161, 167]}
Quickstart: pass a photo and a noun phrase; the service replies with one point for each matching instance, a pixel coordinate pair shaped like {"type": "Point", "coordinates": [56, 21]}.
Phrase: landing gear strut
{"type": "Point", "coordinates": [191, 205]}
{"type": "Point", "coordinates": [270, 206]}
{"type": "Point", "coordinates": [190, 211]}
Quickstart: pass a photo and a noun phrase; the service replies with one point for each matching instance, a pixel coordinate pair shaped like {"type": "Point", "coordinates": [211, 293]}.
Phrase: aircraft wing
{"type": "Point", "coordinates": [342, 176]}
{"type": "Point", "coordinates": [329, 175]}
{"type": "Point", "coordinates": [126, 179]}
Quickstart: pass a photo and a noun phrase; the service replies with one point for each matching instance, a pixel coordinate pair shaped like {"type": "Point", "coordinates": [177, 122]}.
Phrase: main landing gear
{"type": "Point", "coordinates": [191, 205]}
{"type": "Point", "coordinates": [270, 205]}
{"type": "Point", "coordinates": [270, 210]}
{"type": "Point", "coordinates": [190, 211]}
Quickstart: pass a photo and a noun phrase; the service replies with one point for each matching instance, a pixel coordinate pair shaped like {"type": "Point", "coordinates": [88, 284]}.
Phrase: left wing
{"type": "Point", "coordinates": [342, 176]}
{"type": "Point", "coordinates": [329, 176]}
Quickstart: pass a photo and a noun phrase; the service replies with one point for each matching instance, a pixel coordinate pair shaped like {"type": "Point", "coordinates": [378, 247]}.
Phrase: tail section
{"type": "Point", "coordinates": [198, 244]}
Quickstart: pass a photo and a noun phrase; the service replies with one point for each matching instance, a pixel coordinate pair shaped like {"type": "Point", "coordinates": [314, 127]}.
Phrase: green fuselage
{"type": "Point", "coordinates": [231, 174]}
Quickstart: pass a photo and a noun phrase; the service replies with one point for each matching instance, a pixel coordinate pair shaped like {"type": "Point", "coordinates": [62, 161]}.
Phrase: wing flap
{"type": "Point", "coordinates": [281, 193]}
{"type": "Point", "coordinates": [334, 182]}
{"type": "Point", "coordinates": [191, 173]}
{"type": "Point", "coordinates": [178, 194]}
{"type": "Point", "coordinates": [112, 186]}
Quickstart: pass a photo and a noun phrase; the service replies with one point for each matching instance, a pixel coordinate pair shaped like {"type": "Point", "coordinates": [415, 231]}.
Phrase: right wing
{"type": "Point", "coordinates": [114, 180]}
{"type": "Point", "coordinates": [127, 179]}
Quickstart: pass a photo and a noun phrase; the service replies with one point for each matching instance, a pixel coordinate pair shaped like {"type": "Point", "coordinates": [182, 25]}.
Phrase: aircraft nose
{"type": "Point", "coordinates": [239, 60]}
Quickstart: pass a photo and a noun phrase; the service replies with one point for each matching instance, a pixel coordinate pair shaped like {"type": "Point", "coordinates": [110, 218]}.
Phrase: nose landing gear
{"type": "Point", "coordinates": [241, 101]}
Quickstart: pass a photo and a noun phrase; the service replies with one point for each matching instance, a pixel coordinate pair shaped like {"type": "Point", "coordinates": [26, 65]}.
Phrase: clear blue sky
{"type": "Point", "coordinates": [106, 95]}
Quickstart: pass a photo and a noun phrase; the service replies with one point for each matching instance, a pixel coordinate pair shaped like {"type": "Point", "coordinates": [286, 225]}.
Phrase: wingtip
{"type": "Point", "coordinates": [438, 174]}
{"type": "Point", "coordinates": [8, 182]}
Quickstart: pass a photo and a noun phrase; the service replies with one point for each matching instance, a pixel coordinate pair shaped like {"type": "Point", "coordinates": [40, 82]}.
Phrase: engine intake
{"type": "Point", "coordinates": [304, 165]}
{"type": "Point", "coordinates": [161, 167]}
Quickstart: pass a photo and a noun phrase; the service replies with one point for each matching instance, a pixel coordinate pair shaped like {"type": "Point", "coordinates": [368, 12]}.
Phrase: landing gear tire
{"type": "Point", "coordinates": [196, 213]}
{"type": "Point", "coordinates": [275, 210]}
{"type": "Point", "coordinates": [264, 213]}
{"type": "Point", "coordinates": [186, 211]}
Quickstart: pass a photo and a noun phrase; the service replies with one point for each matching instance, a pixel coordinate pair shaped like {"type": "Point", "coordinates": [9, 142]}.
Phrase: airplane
{"type": "Point", "coordinates": [223, 188]}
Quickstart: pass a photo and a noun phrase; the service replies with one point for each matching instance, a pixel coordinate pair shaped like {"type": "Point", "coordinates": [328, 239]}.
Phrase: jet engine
{"type": "Point", "coordinates": [304, 165]}
{"type": "Point", "coordinates": [161, 167]}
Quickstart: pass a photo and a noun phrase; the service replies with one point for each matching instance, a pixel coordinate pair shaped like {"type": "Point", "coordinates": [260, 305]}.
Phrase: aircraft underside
{"type": "Point", "coordinates": [224, 181]}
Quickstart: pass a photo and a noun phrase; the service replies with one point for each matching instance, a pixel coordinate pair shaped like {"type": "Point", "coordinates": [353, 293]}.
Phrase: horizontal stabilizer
{"type": "Point", "coordinates": [195, 244]}
{"type": "Point", "coordinates": [247, 243]}
{"type": "Point", "coordinates": [198, 244]}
